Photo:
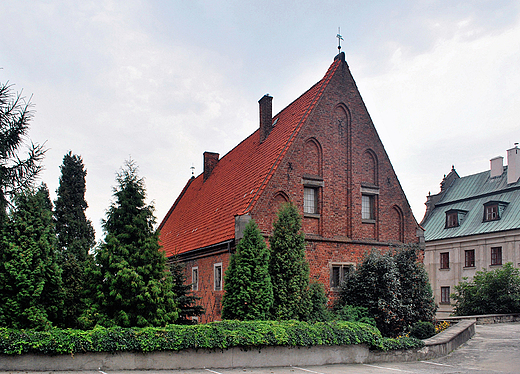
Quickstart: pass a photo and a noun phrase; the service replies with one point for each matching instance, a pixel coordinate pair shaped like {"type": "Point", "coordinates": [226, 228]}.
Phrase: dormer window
{"type": "Point", "coordinates": [454, 217]}
{"type": "Point", "coordinates": [493, 210]}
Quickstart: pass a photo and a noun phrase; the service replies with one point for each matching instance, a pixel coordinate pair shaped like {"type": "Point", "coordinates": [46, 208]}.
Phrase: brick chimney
{"type": "Point", "coordinates": [513, 164]}
{"type": "Point", "coordinates": [266, 116]}
{"type": "Point", "coordinates": [210, 161]}
{"type": "Point", "coordinates": [497, 166]}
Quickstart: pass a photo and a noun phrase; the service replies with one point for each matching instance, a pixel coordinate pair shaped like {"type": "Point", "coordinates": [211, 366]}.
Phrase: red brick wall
{"type": "Point", "coordinates": [338, 143]}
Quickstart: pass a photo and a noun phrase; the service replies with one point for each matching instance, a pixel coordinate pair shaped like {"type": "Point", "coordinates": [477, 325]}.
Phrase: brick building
{"type": "Point", "coordinates": [321, 152]}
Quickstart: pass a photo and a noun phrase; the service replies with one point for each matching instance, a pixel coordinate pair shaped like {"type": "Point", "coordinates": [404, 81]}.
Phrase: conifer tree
{"type": "Point", "coordinates": [133, 286]}
{"type": "Point", "coordinates": [75, 236]}
{"type": "Point", "coordinates": [249, 292]}
{"type": "Point", "coordinates": [288, 266]}
{"type": "Point", "coordinates": [30, 278]}
{"type": "Point", "coordinates": [184, 298]}
{"type": "Point", "coordinates": [16, 173]}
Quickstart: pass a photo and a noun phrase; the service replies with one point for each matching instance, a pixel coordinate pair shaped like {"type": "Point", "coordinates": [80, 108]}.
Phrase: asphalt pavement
{"type": "Point", "coordinates": [493, 349]}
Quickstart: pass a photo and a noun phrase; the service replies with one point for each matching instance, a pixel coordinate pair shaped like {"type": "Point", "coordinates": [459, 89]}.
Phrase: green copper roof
{"type": "Point", "coordinates": [469, 194]}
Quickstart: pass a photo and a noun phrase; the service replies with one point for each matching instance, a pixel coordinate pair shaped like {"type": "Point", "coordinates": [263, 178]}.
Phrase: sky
{"type": "Point", "coordinates": [161, 82]}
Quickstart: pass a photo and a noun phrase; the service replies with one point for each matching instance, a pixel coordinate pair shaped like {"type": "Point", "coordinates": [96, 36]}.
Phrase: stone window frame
{"type": "Point", "coordinates": [341, 272]}
{"type": "Point", "coordinates": [369, 194]}
{"type": "Point", "coordinates": [217, 277]}
{"type": "Point", "coordinates": [315, 183]}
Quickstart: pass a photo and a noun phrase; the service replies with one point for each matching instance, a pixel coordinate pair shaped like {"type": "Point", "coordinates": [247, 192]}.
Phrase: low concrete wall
{"type": "Point", "coordinates": [486, 319]}
{"type": "Point", "coordinates": [439, 345]}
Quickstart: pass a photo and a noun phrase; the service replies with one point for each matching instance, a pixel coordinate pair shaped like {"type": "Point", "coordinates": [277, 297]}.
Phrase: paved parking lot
{"type": "Point", "coordinates": [493, 349]}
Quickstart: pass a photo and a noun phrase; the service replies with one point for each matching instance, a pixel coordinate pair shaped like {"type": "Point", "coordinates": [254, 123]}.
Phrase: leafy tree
{"type": "Point", "coordinates": [75, 236]}
{"type": "Point", "coordinates": [375, 285]}
{"type": "Point", "coordinates": [30, 278]}
{"type": "Point", "coordinates": [394, 287]}
{"type": "Point", "coordinates": [132, 284]}
{"type": "Point", "coordinates": [416, 292]}
{"type": "Point", "coordinates": [249, 292]}
{"type": "Point", "coordinates": [288, 266]}
{"type": "Point", "coordinates": [490, 292]}
{"type": "Point", "coordinates": [184, 298]}
{"type": "Point", "coordinates": [16, 173]}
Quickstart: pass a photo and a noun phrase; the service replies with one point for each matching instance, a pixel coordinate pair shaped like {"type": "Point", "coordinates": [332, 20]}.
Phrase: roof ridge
{"type": "Point", "coordinates": [324, 82]}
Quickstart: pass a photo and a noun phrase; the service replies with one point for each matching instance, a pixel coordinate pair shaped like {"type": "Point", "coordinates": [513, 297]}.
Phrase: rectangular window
{"type": "Point", "coordinates": [445, 260]}
{"type": "Point", "coordinates": [367, 207]}
{"type": "Point", "coordinates": [491, 212]}
{"type": "Point", "coordinates": [338, 274]}
{"type": "Point", "coordinates": [195, 279]}
{"type": "Point", "coordinates": [217, 273]}
{"type": "Point", "coordinates": [496, 255]}
{"type": "Point", "coordinates": [445, 295]}
{"type": "Point", "coordinates": [469, 258]}
{"type": "Point", "coordinates": [452, 219]}
{"type": "Point", "coordinates": [310, 200]}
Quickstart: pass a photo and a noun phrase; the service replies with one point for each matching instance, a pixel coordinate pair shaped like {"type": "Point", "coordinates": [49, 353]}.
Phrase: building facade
{"type": "Point", "coordinates": [472, 224]}
{"type": "Point", "coordinates": [322, 153]}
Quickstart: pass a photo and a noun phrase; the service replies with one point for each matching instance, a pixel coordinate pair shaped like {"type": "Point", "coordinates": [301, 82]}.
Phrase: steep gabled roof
{"type": "Point", "coordinates": [469, 194]}
{"type": "Point", "coordinates": [203, 214]}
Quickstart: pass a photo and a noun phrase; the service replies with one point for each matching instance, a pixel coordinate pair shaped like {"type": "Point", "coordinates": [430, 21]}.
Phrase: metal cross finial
{"type": "Point", "coordinates": [340, 38]}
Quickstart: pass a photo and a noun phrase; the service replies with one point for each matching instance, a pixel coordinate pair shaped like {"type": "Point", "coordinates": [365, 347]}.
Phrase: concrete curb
{"type": "Point", "coordinates": [439, 345]}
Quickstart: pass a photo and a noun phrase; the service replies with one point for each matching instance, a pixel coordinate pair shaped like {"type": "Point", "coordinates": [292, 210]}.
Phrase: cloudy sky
{"type": "Point", "coordinates": [163, 81]}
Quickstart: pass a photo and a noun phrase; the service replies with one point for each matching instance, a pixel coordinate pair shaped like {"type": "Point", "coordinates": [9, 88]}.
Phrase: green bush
{"type": "Point", "coordinates": [422, 330]}
{"type": "Point", "coordinates": [490, 292]}
{"type": "Point", "coordinates": [354, 314]}
{"type": "Point", "coordinates": [215, 335]}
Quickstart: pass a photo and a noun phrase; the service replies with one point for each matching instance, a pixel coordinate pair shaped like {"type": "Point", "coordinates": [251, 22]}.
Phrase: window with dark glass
{"type": "Point", "coordinates": [445, 295]}
{"type": "Point", "coordinates": [367, 207]}
{"type": "Point", "coordinates": [452, 219]}
{"type": "Point", "coordinates": [491, 212]}
{"type": "Point", "coordinates": [469, 258]}
{"type": "Point", "coordinates": [496, 255]}
{"type": "Point", "coordinates": [338, 274]}
{"type": "Point", "coordinates": [445, 260]}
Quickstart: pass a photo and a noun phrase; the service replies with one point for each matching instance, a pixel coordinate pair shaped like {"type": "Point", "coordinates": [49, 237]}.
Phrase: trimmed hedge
{"type": "Point", "coordinates": [215, 335]}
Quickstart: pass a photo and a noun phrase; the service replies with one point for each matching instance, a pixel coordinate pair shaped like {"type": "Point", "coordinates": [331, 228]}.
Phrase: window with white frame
{"type": "Point", "coordinates": [310, 200]}
{"type": "Point", "coordinates": [195, 278]}
{"type": "Point", "coordinates": [217, 275]}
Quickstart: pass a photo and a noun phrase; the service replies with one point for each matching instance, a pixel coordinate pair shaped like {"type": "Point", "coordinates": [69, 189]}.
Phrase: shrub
{"type": "Point", "coordinates": [422, 330]}
{"type": "Point", "coordinates": [490, 292]}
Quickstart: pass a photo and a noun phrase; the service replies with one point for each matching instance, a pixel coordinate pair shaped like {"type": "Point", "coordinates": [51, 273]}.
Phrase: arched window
{"type": "Point", "coordinates": [341, 118]}
{"type": "Point", "coordinates": [312, 155]}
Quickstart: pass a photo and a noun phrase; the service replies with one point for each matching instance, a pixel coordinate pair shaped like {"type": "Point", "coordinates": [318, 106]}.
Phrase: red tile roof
{"type": "Point", "coordinates": [204, 212]}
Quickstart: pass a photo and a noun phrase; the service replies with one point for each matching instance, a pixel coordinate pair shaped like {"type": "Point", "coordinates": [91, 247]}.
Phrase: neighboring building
{"type": "Point", "coordinates": [321, 152]}
{"type": "Point", "coordinates": [472, 224]}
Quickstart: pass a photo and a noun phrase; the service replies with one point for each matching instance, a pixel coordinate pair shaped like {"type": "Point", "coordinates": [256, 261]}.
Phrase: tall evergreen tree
{"type": "Point", "coordinates": [75, 236]}
{"type": "Point", "coordinates": [288, 266]}
{"type": "Point", "coordinates": [132, 284]}
{"type": "Point", "coordinates": [249, 292]}
{"type": "Point", "coordinates": [184, 298]}
{"type": "Point", "coordinates": [74, 230]}
{"type": "Point", "coordinates": [16, 173]}
{"type": "Point", "coordinates": [30, 278]}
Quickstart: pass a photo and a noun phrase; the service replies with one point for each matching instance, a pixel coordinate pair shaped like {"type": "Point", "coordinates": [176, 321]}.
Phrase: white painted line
{"type": "Point", "coordinates": [211, 371]}
{"type": "Point", "coordinates": [435, 363]}
{"type": "Point", "coordinates": [385, 368]}
{"type": "Point", "coordinates": [310, 371]}
{"type": "Point", "coordinates": [102, 372]}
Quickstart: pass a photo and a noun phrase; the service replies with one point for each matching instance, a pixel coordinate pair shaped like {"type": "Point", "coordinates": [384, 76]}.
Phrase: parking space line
{"type": "Point", "coordinates": [385, 368]}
